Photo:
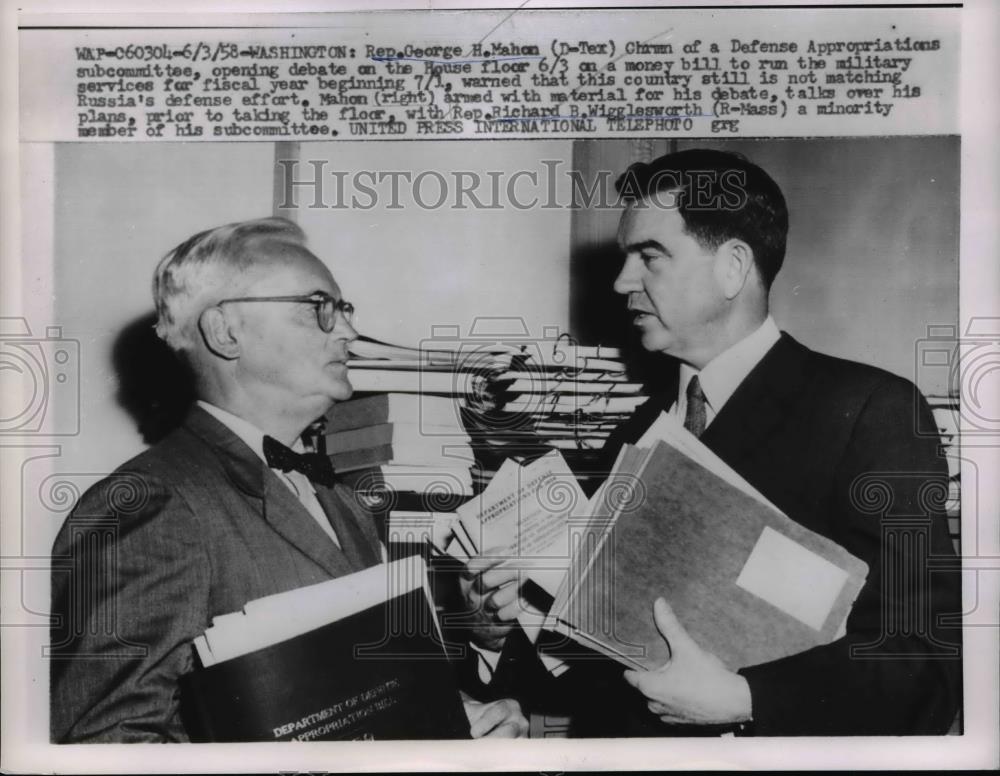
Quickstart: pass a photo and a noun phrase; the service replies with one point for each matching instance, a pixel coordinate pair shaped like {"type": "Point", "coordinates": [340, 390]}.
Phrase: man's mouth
{"type": "Point", "coordinates": [637, 307]}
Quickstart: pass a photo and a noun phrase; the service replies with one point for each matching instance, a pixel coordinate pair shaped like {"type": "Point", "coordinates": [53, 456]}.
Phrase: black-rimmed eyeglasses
{"type": "Point", "coordinates": [326, 306]}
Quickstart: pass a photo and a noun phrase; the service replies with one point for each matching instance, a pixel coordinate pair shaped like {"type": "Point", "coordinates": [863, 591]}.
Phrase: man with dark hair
{"type": "Point", "coordinates": [221, 511]}
{"type": "Point", "coordinates": [703, 234]}
{"type": "Point", "coordinates": [720, 196]}
{"type": "Point", "coordinates": [832, 443]}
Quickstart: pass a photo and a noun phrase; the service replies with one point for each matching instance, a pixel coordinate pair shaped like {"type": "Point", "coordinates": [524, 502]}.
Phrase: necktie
{"type": "Point", "coordinates": [695, 417]}
{"type": "Point", "coordinates": [315, 466]}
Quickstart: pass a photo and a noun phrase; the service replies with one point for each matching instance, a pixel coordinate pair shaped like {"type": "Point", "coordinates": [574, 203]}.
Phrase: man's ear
{"type": "Point", "coordinates": [217, 334]}
{"type": "Point", "coordinates": [733, 266]}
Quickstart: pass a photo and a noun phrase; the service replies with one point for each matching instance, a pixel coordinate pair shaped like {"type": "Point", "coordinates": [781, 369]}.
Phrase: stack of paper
{"type": "Point", "coordinates": [523, 517]}
{"type": "Point", "coordinates": [356, 657]}
{"type": "Point", "coordinates": [402, 451]}
{"type": "Point", "coordinates": [414, 444]}
{"type": "Point", "coordinates": [556, 395]}
{"type": "Point", "coordinates": [673, 520]}
{"type": "Point", "coordinates": [512, 400]}
{"type": "Point", "coordinates": [282, 616]}
{"type": "Point", "coordinates": [378, 367]}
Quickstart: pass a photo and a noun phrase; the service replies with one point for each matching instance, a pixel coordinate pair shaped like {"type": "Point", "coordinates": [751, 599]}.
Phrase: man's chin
{"type": "Point", "coordinates": [342, 391]}
{"type": "Point", "coordinates": [657, 341]}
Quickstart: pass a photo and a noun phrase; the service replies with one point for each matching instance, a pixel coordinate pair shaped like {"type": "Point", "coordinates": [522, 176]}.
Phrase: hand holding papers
{"type": "Point", "coordinates": [515, 532]}
{"type": "Point", "coordinates": [522, 518]}
{"type": "Point", "coordinates": [491, 594]}
{"type": "Point", "coordinates": [693, 687]}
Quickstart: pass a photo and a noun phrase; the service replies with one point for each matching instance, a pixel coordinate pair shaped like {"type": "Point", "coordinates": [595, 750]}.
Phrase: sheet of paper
{"type": "Point", "coordinates": [792, 578]}
{"type": "Point", "coordinates": [285, 615]}
{"type": "Point", "coordinates": [523, 517]}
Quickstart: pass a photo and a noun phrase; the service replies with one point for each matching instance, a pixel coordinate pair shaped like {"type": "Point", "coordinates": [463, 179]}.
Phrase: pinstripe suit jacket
{"type": "Point", "coordinates": [192, 528]}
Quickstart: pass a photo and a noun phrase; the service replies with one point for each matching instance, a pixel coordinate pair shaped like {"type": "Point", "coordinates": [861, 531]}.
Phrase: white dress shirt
{"type": "Point", "coordinates": [296, 482]}
{"type": "Point", "coordinates": [723, 374]}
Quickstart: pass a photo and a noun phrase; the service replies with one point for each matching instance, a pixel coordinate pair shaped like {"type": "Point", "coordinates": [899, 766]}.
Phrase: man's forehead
{"type": "Point", "coordinates": [645, 219]}
{"type": "Point", "coordinates": [292, 268]}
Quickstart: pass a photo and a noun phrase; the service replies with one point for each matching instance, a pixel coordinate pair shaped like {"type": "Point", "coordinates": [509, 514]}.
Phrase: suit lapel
{"type": "Point", "coordinates": [359, 547]}
{"type": "Point", "coordinates": [759, 403]}
{"type": "Point", "coordinates": [287, 515]}
{"type": "Point", "coordinates": [242, 466]}
{"type": "Point", "coordinates": [272, 498]}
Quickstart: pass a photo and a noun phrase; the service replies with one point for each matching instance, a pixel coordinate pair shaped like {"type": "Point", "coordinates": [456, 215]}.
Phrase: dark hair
{"type": "Point", "coordinates": [721, 196]}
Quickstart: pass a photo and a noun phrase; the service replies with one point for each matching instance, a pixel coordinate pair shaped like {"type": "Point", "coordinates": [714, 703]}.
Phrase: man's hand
{"type": "Point", "coordinates": [499, 719]}
{"type": "Point", "coordinates": [693, 686]}
{"type": "Point", "coordinates": [492, 593]}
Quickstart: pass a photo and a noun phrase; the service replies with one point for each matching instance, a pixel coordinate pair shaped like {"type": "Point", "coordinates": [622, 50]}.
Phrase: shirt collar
{"type": "Point", "coordinates": [244, 429]}
{"type": "Point", "coordinates": [723, 374]}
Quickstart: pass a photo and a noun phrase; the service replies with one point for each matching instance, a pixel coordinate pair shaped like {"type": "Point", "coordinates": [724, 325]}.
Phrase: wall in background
{"type": "Point", "coordinates": [409, 268]}
{"type": "Point", "coordinates": [872, 256]}
{"type": "Point", "coordinates": [119, 208]}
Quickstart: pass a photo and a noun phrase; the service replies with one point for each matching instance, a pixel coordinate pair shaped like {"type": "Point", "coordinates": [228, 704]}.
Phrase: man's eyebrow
{"type": "Point", "coordinates": [641, 246]}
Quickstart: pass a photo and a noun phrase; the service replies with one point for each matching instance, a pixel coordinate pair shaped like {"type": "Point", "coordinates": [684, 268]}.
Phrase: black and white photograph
{"type": "Point", "coordinates": [387, 391]}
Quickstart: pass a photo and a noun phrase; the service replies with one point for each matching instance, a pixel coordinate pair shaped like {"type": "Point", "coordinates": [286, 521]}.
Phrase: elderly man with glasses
{"type": "Point", "coordinates": [226, 509]}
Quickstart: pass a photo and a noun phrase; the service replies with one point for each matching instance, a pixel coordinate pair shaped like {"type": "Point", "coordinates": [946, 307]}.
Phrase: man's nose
{"type": "Point", "coordinates": [343, 329]}
{"type": "Point", "coordinates": [628, 279]}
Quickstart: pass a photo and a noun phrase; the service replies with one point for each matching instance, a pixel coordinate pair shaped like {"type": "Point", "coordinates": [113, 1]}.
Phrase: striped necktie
{"type": "Point", "coordinates": [695, 417]}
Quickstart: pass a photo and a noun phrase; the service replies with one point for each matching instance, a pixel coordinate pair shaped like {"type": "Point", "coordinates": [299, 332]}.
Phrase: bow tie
{"type": "Point", "coordinates": [315, 466]}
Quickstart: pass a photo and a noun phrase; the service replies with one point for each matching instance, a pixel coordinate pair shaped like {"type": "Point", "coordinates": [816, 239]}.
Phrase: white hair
{"type": "Point", "coordinates": [194, 274]}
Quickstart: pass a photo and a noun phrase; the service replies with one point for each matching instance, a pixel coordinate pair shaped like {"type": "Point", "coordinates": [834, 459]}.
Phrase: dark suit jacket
{"type": "Point", "coordinates": [192, 528]}
{"type": "Point", "coordinates": [833, 444]}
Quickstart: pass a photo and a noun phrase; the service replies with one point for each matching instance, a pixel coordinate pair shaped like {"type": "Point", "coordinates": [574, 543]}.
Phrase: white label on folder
{"type": "Point", "coordinates": [792, 578]}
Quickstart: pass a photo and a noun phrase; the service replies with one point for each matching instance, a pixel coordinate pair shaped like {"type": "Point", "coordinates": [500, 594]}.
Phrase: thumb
{"type": "Point", "coordinates": [671, 629]}
{"type": "Point", "coordinates": [632, 677]}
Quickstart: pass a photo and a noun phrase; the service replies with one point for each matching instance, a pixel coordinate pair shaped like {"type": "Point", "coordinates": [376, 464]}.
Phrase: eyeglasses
{"type": "Point", "coordinates": [326, 307]}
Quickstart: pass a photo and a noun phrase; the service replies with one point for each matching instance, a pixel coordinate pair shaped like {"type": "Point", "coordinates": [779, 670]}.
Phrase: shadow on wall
{"type": "Point", "coordinates": [599, 315]}
{"type": "Point", "coordinates": [155, 386]}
